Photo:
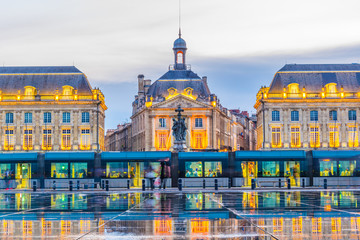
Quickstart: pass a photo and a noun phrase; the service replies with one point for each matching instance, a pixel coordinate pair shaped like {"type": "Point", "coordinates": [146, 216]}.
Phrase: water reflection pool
{"type": "Point", "coordinates": [245, 215]}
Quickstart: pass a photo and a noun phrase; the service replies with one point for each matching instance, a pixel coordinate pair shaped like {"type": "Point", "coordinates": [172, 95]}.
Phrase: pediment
{"type": "Point", "coordinates": [183, 101]}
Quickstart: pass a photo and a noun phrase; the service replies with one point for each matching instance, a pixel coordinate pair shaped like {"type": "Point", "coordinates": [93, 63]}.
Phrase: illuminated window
{"type": "Point", "coordinates": [353, 137]}
{"type": "Point", "coordinates": [47, 117]}
{"type": "Point", "coordinates": [295, 116]}
{"type": "Point", "coordinates": [275, 116]}
{"type": "Point", "coordinates": [193, 169]}
{"type": "Point", "coordinates": [65, 139]}
{"type": "Point", "coordinates": [180, 58]}
{"type": "Point", "coordinates": [28, 117]}
{"type": "Point", "coordinates": [314, 137]}
{"type": "Point", "coordinates": [331, 87]}
{"type": "Point", "coordinates": [29, 91]}
{"type": "Point", "coordinates": [352, 115]}
{"type": "Point", "coordinates": [295, 137]}
{"type": "Point", "coordinates": [334, 136]}
{"type": "Point", "coordinates": [78, 170]}
{"type": "Point", "coordinates": [46, 143]}
{"type": "Point", "coordinates": [9, 118]}
{"type": "Point", "coordinates": [162, 122]}
{"type": "Point", "coordinates": [333, 115]}
{"type": "Point", "coordinates": [346, 168]}
{"type": "Point", "coordinates": [5, 171]}
{"type": "Point", "coordinates": [67, 90]}
{"type": "Point", "coordinates": [162, 140]}
{"type": "Point", "coordinates": [59, 170]}
{"type": "Point", "coordinates": [293, 88]}
{"type": "Point", "coordinates": [117, 170]}
{"type": "Point", "coordinates": [314, 116]}
{"type": "Point", "coordinates": [198, 122]}
{"type": "Point", "coordinates": [199, 140]}
{"type": "Point", "coordinates": [28, 139]}
{"type": "Point", "coordinates": [85, 117]}
{"type": "Point", "coordinates": [213, 169]}
{"type": "Point", "coordinates": [9, 139]}
{"type": "Point", "coordinates": [270, 169]}
{"type": "Point", "coordinates": [85, 139]}
{"type": "Point", "coordinates": [328, 168]}
{"type": "Point", "coordinates": [66, 117]}
{"type": "Point", "coordinates": [275, 137]}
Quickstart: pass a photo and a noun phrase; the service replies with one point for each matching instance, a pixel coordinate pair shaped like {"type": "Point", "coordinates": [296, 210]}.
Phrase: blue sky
{"type": "Point", "coordinates": [238, 45]}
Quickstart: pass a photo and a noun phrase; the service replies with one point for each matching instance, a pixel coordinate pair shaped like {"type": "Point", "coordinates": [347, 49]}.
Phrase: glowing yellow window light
{"type": "Point", "coordinates": [353, 136]}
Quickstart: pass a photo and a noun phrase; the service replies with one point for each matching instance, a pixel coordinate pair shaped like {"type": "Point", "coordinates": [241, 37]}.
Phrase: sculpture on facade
{"type": "Point", "coordinates": [179, 131]}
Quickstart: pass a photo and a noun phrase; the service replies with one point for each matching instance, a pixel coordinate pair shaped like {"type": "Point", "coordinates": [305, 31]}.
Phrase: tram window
{"type": "Point", "coordinates": [328, 168]}
{"type": "Point", "coordinates": [270, 169]}
{"type": "Point", "coordinates": [346, 168]}
{"type": "Point", "coordinates": [154, 170]}
{"type": "Point", "coordinates": [193, 169]}
{"type": "Point", "coordinates": [59, 170]}
{"type": "Point", "coordinates": [292, 169]}
{"type": "Point", "coordinates": [117, 169]}
{"type": "Point", "coordinates": [213, 169]}
{"type": "Point", "coordinates": [78, 170]}
{"type": "Point", "coordinates": [5, 171]}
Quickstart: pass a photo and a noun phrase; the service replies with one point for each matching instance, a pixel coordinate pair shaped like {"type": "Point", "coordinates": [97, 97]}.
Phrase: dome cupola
{"type": "Point", "coordinates": [179, 52]}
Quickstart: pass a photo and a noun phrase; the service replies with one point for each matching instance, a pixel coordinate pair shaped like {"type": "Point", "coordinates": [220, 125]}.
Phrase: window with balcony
{"type": "Point", "coordinates": [275, 116]}
{"type": "Point", "coordinates": [295, 137]}
{"type": "Point", "coordinates": [9, 139]}
{"type": "Point", "coordinates": [28, 139]}
{"type": "Point", "coordinates": [66, 139]}
{"type": "Point", "coordinates": [314, 116]}
{"type": "Point", "coordinates": [353, 137]}
{"type": "Point", "coordinates": [46, 139]}
{"type": "Point", "coordinates": [162, 141]}
{"type": "Point", "coordinates": [295, 116]}
{"type": "Point", "coordinates": [314, 137]}
{"type": "Point", "coordinates": [199, 140]}
{"type": "Point", "coordinates": [275, 137]}
{"type": "Point", "coordinates": [85, 139]}
{"type": "Point", "coordinates": [334, 136]}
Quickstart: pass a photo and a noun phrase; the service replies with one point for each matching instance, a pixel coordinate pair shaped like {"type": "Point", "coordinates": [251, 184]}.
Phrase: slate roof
{"type": "Point", "coordinates": [315, 76]}
{"type": "Point", "coordinates": [45, 79]}
{"type": "Point", "coordinates": [180, 80]}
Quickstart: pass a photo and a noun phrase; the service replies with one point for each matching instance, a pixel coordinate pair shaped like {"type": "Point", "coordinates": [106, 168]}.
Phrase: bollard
{"type": "Point", "coordinates": [152, 183]}
{"type": "Point", "coordinates": [325, 183]}
{"type": "Point", "coordinates": [143, 185]}
{"type": "Point", "coordinates": [103, 184]}
{"type": "Point", "coordinates": [128, 184]}
{"type": "Point", "coordinates": [216, 185]}
{"type": "Point", "coordinates": [253, 186]}
{"type": "Point", "coordinates": [95, 185]}
{"type": "Point", "coordinates": [180, 184]}
{"type": "Point", "coordinates": [107, 185]}
{"type": "Point", "coordinates": [204, 184]}
{"type": "Point", "coordinates": [229, 184]}
{"type": "Point", "coordinates": [78, 185]}
{"type": "Point", "coordinates": [303, 183]}
{"type": "Point", "coordinates": [288, 183]}
{"type": "Point", "coordinates": [70, 185]}
{"type": "Point", "coordinates": [54, 185]}
{"type": "Point", "coordinates": [34, 186]}
{"type": "Point", "coordinates": [279, 183]}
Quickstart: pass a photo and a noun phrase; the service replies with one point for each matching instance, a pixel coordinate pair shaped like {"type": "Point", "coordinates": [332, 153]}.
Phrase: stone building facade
{"type": "Point", "coordinates": [49, 109]}
{"type": "Point", "coordinates": [119, 139]}
{"type": "Point", "coordinates": [310, 106]}
{"type": "Point", "coordinates": [211, 127]}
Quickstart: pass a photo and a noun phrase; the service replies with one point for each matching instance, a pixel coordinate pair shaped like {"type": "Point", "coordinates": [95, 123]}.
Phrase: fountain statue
{"type": "Point", "coordinates": [179, 131]}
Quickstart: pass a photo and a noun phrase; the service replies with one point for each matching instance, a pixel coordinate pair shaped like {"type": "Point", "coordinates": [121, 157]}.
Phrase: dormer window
{"type": "Point", "coordinates": [67, 90]}
{"type": "Point", "coordinates": [331, 88]}
{"type": "Point", "coordinates": [180, 57]}
{"type": "Point", "coordinates": [293, 88]}
{"type": "Point", "coordinates": [29, 91]}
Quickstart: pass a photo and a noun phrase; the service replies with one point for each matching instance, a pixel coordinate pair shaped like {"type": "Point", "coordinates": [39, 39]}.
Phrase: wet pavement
{"type": "Point", "coordinates": [175, 215]}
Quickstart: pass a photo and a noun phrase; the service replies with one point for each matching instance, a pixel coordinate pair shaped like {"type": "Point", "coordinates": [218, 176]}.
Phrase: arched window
{"type": "Point", "coordinates": [180, 57]}
{"type": "Point", "coordinates": [67, 90]}
{"type": "Point", "coordinates": [331, 88]}
{"type": "Point", "coordinates": [29, 91]}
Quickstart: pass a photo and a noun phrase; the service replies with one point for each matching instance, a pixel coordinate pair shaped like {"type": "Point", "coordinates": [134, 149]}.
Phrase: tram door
{"type": "Point", "coordinates": [249, 170]}
{"type": "Point", "coordinates": [23, 175]}
{"type": "Point", "coordinates": [136, 171]}
{"type": "Point", "coordinates": [292, 171]}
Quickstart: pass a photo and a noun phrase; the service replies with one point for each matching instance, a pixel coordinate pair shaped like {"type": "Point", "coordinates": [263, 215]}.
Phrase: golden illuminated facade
{"type": "Point", "coordinates": [310, 106]}
{"type": "Point", "coordinates": [210, 126]}
{"type": "Point", "coordinates": [49, 109]}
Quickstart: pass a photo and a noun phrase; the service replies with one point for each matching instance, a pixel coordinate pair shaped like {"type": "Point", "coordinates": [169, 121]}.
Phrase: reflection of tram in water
{"type": "Point", "coordinates": [267, 168]}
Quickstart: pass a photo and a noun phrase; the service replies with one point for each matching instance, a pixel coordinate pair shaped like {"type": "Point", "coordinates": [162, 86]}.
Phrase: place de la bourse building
{"type": "Point", "coordinates": [209, 125]}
